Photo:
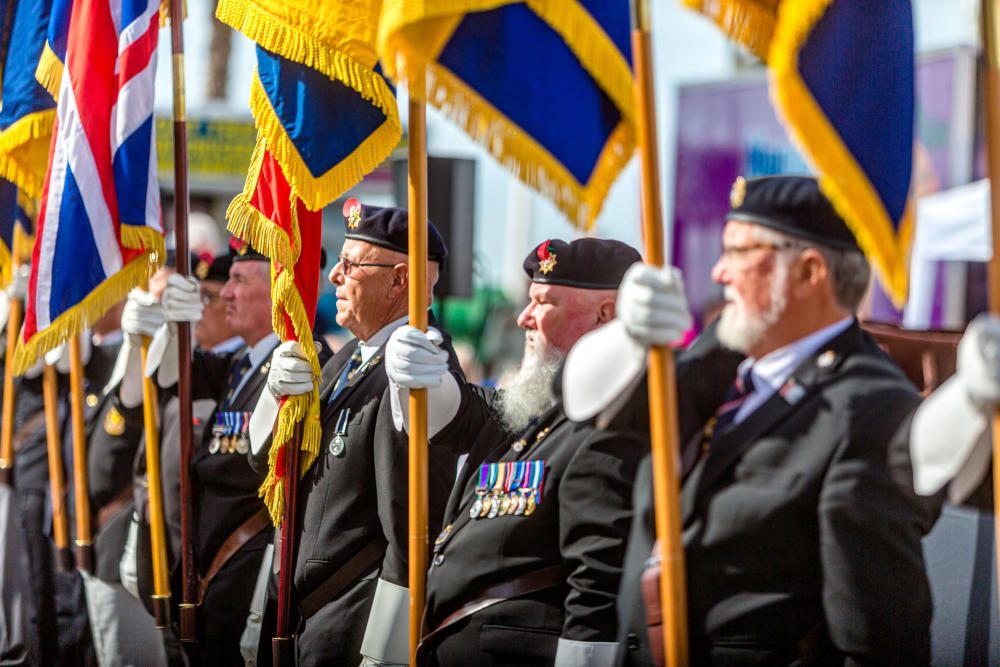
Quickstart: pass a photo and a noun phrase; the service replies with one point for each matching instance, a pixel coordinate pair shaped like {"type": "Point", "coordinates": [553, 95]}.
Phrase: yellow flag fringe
{"type": "Point", "coordinates": [747, 22]}
{"type": "Point", "coordinates": [82, 315]}
{"type": "Point", "coordinates": [49, 71]}
{"type": "Point", "coordinates": [318, 190]}
{"type": "Point", "coordinates": [24, 151]}
{"type": "Point", "coordinates": [511, 146]}
{"type": "Point", "coordinates": [840, 176]}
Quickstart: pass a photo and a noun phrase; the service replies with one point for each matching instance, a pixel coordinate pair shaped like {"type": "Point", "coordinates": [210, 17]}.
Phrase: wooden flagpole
{"type": "Point", "coordinates": [81, 489]}
{"type": "Point", "coordinates": [189, 576]}
{"type": "Point", "coordinates": [57, 482]}
{"type": "Point", "coordinates": [154, 477]}
{"type": "Point", "coordinates": [662, 381]}
{"type": "Point", "coordinates": [417, 204]}
{"type": "Point", "coordinates": [282, 646]}
{"type": "Point", "coordinates": [7, 419]}
{"type": "Point", "coordinates": [990, 22]}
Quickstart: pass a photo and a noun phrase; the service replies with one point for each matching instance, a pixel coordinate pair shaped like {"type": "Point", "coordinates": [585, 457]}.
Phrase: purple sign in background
{"type": "Point", "coordinates": [730, 129]}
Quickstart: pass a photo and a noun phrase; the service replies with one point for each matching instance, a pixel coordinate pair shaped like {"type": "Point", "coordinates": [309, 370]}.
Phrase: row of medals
{"type": "Point", "coordinates": [500, 503]}
{"type": "Point", "coordinates": [228, 444]}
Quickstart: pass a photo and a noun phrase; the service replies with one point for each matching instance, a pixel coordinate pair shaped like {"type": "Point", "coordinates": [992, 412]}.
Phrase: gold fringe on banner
{"type": "Point", "coordinates": [841, 178]}
{"type": "Point", "coordinates": [318, 190]}
{"type": "Point", "coordinates": [306, 38]}
{"type": "Point", "coordinates": [750, 23]}
{"type": "Point", "coordinates": [24, 151]}
{"type": "Point", "coordinates": [249, 224]}
{"type": "Point", "coordinates": [82, 315]}
{"type": "Point", "coordinates": [49, 71]}
{"type": "Point", "coordinates": [410, 39]}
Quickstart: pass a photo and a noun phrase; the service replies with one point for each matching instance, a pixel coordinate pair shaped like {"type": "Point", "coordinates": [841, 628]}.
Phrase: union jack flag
{"type": "Point", "coordinates": [99, 222]}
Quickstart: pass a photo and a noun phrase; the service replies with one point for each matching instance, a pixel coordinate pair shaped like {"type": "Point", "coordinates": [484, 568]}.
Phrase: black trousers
{"type": "Point", "coordinates": [58, 625]}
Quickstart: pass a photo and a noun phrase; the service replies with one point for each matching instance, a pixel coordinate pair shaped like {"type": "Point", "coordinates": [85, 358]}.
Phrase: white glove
{"type": "Point", "coordinates": [18, 288]}
{"type": "Point", "coordinates": [182, 299]}
{"type": "Point", "coordinates": [979, 362]}
{"type": "Point", "coordinates": [948, 436]}
{"type": "Point", "coordinates": [59, 356]}
{"type": "Point", "coordinates": [414, 359]}
{"type": "Point", "coordinates": [291, 373]}
{"type": "Point", "coordinates": [142, 314]}
{"type": "Point", "coordinates": [652, 305]}
{"type": "Point", "coordinates": [162, 356]}
{"type": "Point", "coordinates": [4, 309]}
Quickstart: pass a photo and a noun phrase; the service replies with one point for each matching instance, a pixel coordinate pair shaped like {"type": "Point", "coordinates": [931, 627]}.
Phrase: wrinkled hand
{"type": "Point", "coordinates": [652, 305]}
{"type": "Point", "coordinates": [414, 359]}
{"type": "Point", "coordinates": [142, 314]}
{"type": "Point", "coordinates": [18, 288]}
{"type": "Point", "coordinates": [182, 299]}
{"type": "Point", "coordinates": [291, 373]}
{"type": "Point", "coordinates": [979, 362]}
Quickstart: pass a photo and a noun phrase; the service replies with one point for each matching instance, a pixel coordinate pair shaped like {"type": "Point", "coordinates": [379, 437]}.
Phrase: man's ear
{"type": "Point", "coordinates": [606, 311]}
{"type": "Point", "coordinates": [400, 276]}
{"type": "Point", "coordinates": [810, 270]}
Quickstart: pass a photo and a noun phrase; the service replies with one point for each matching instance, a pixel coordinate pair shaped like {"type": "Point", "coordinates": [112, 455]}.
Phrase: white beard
{"type": "Point", "coordinates": [527, 391]}
{"type": "Point", "coordinates": [739, 331]}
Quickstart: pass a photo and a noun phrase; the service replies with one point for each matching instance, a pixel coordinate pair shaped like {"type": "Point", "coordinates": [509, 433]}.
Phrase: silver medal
{"type": "Point", "coordinates": [216, 444]}
{"type": "Point", "coordinates": [337, 445]}
{"type": "Point", "coordinates": [243, 444]}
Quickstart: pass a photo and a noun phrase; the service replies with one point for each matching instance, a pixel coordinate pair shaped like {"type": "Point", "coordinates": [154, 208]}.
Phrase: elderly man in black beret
{"type": "Point", "coordinates": [232, 528]}
{"type": "Point", "coordinates": [801, 529]}
{"type": "Point", "coordinates": [351, 572]}
{"type": "Point", "coordinates": [528, 563]}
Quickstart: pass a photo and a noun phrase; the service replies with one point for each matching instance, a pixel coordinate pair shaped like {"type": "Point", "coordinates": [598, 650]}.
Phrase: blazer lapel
{"type": "Point", "coordinates": [729, 447]}
{"type": "Point", "coordinates": [374, 365]}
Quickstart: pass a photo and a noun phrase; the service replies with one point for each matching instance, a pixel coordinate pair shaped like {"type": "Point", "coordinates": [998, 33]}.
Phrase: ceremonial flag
{"type": "Point", "coordinates": [842, 80]}
{"type": "Point", "coordinates": [16, 222]}
{"type": "Point", "coordinates": [28, 110]}
{"type": "Point", "coordinates": [50, 64]}
{"type": "Point", "coordinates": [545, 86]}
{"type": "Point", "coordinates": [99, 221]}
{"type": "Point", "coordinates": [325, 117]}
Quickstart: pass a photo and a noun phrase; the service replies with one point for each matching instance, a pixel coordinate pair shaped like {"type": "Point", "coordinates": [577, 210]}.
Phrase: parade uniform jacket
{"type": "Point", "coordinates": [353, 510]}
{"type": "Point", "coordinates": [561, 565]}
{"type": "Point", "coordinates": [225, 499]}
{"type": "Point", "coordinates": [801, 529]}
{"type": "Point", "coordinates": [111, 446]}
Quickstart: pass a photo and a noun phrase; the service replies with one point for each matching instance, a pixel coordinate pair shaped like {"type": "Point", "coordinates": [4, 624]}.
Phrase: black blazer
{"type": "Point", "coordinates": [581, 525]}
{"type": "Point", "coordinates": [801, 524]}
{"type": "Point", "coordinates": [359, 495]}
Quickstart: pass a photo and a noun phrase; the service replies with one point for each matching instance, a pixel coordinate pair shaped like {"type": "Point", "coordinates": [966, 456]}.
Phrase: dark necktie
{"type": "Point", "coordinates": [738, 392]}
{"type": "Point", "coordinates": [240, 369]}
{"type": "Point", "coordinates": [347, 374]}
{"type": "Point", "coordinates": [741, 388]}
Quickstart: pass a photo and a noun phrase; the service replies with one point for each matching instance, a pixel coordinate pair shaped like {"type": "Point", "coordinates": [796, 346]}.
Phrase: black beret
{"type": "Point", "coordinates": [213, 268]}
{"type": "Point", "coordinates": [587, 263]}
{"type": "Point", "coordinates": [244, 252]}
{"type": "Point", "coordinates": [387, 228]}
{"type": "Point", "coordinates": [793, 205]}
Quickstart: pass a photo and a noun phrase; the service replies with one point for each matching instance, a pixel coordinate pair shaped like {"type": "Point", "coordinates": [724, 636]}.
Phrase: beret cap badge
{"type": "Point", "coordinates": [202, 269]}
{"type": "Point", "coordinates": [352, 211]}
{"type": "Point", "coordinates": [738, 192]}
{"type": "Point", "coordinates": [546, 258]}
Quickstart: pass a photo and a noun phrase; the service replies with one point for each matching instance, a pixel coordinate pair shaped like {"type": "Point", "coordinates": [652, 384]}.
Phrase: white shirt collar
{"type": "Point", "coordinates": [770, 372]}
{"type": "Point", "coordinates": [261, 350]}
{"type": "Point", "coordinates": [379, 338]}
{"type": "Point", "coordinates": [228, 345]}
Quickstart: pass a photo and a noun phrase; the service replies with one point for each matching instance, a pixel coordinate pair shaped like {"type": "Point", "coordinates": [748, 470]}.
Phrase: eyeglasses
{"type": "Point", "coordinates": [733, 251]}
{"type": "Point", "coordinates": [207, 298]}
{"type": "Point", "coordinates": [348, 266]}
